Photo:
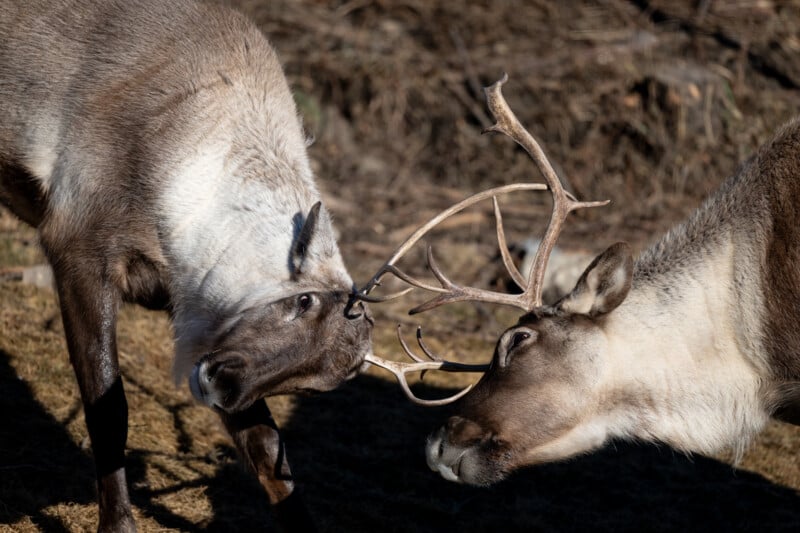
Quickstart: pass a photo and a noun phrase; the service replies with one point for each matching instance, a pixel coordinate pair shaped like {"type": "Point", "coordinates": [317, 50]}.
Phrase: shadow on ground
{"type": "Point", "coordinates": [41, 467]}
{"type": "Point", "coordinates": [358, 454]}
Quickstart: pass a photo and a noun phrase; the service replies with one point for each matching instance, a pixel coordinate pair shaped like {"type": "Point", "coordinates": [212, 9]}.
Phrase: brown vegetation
{"type": "Point", "coordinates": [648, 104]}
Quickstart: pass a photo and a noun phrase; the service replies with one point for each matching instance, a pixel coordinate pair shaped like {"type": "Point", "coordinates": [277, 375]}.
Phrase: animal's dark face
{"type": "Point", "coordinates": [312, 341]}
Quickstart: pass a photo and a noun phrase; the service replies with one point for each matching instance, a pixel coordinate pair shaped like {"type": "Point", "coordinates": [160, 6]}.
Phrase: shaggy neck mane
{"type": "Point", "coordinates": [683, 371]}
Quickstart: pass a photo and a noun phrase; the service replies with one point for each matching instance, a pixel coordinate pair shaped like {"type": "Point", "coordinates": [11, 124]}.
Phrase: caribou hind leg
{"type": "Point", "coordinates": [89, 312]}
{"type": "Point", "coordinates": [262, 449]}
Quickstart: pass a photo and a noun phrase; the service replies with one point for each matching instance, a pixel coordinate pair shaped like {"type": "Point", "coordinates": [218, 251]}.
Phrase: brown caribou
{"type": "Point", "coordinates": [156, 147]}
{"type": "Point", "coordinates": [694, 344]}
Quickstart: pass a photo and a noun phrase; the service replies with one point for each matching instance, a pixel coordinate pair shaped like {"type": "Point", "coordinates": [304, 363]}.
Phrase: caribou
{"type": "Point", "coordinates": [156, 147]}
{"type": "Point", "coordinates": [694, 344]}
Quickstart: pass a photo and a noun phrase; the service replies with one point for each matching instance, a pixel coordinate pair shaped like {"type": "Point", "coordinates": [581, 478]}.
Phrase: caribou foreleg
{"type": "Point", "coordinates": [89, 312]}
{"type": "Point", "coordinates": [262, 449]}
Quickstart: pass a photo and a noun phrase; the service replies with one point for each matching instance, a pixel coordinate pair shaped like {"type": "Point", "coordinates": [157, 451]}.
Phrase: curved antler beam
{"type": "Point", "coordinates": [389, 265]}
{"type": "Point", "coordinates": [400, 369]}
{"type": "Point", "coordinates": [506, 122]}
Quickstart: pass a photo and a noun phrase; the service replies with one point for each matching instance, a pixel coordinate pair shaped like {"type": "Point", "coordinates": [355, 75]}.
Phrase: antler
{"type": "Point", "coordinates": [563, 203]}
{"type": "Point", "coordinates": [390, 267]}
{"type": "Point", "coordinates": [448, 291]}
{"type": "Point", "coordinates": [401, 369]}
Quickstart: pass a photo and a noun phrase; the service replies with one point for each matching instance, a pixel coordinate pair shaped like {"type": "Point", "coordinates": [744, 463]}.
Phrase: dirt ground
{"type": "Point", "coordinates": [648, 104]}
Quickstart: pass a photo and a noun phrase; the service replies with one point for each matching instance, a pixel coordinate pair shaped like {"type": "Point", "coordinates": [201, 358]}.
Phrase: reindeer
{"type": "Point", "coordinates": [156, 147]}
{"type": "Point", "coordinates": [695, 344]}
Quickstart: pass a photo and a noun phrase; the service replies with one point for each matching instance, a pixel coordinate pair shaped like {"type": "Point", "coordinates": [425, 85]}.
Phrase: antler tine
{"type": "Point", "coordinates": [400, 370]}
{"type": "Point", "coordinates": [389, 266]}
{"type": "Point", "coordinates": [457, 293]}
{"type": "Point", "coordinates": [408, 351]}
{"type": "Point", "coordinates": [432, 356]}
{"type": "Point", "coordinates": [501, 243]}
{"type": "Point", "coordinates": [507, 123]}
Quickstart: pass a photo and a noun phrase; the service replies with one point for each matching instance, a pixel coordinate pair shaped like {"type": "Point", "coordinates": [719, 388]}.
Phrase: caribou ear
{"type": "Point", "coordinates": [603, 285]}
{"type": "Point", "coordinates": [303, 241]}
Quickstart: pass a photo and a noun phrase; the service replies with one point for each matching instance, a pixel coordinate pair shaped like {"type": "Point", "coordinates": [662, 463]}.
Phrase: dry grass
{"type": "Point", "coordinates": [650, 104]}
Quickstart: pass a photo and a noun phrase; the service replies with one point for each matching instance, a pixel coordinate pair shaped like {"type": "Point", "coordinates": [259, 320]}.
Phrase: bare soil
{"type": "Point", "coordinates": [648, 104]}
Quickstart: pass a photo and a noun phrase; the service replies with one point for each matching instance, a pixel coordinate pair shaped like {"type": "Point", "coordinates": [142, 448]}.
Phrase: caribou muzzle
{"type": "Point", "coordinates": [232, 384]}
{"type": "Point", "coordinates": [217, 382]}
{"type": "Point", "coordinates": [465, 452]}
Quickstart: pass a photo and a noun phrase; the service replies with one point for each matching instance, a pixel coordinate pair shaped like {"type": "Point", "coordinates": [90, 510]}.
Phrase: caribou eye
{"type": "Point", "coordinates": [304, 302]}
{"type": "Point", "coordinates": [518, 338]}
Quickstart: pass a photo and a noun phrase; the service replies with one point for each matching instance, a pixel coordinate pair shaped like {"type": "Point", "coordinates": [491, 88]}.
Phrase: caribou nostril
{"type": "Point", "coordinates": [232, 364]}
{"type": "Point", "coordinates": [456, 467]}
{"type": "Point", "coordinates": [465, 432]}
{"type": "Point", "coordinates": [213, 370]}
{"type": "Point", "coordinates": [354, 310]}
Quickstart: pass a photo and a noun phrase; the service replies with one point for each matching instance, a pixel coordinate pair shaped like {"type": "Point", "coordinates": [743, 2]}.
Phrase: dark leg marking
{"type": "Point", "coordinates": [262, 449]}
{"type": "Point", "coordinates": [89, 312]}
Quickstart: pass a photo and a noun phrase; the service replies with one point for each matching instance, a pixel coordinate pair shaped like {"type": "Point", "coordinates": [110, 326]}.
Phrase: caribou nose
{"type": "Point", "coordinates": [463, 432]}
{"type": "Point", "coordinates": [216, 381]}
{"type": "Point", "coordinates": [442, 457]}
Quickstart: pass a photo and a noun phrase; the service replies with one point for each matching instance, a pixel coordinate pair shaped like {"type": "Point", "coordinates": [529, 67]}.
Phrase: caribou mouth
{"type": "Point", "coordinates": [449, 467]}
{"type": "Point", "coordinates": [361, 366]}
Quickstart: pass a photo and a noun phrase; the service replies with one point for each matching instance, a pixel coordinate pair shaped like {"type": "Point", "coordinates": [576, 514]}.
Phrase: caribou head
{"type": "Point", "coordinates": [311, 338]}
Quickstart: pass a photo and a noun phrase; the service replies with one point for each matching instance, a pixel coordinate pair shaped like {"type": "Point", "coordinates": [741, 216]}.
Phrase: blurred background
{"type": "Point", "coordinates": [648, 104]}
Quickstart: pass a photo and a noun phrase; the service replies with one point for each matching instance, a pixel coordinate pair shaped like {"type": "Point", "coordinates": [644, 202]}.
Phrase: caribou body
{"type": "Point", "coordinates": [156, 147]}
{"type": "Point", "coordinates": [694, 344]}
